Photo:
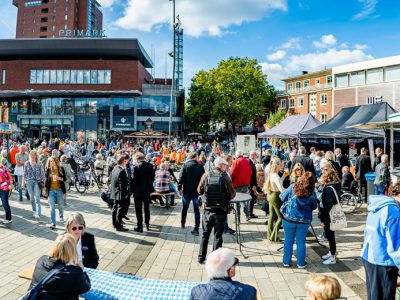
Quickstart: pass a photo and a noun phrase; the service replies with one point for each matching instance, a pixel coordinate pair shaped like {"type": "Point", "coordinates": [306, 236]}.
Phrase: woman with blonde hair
{"type": "Point", "coordinates": [297, 172]}
{"type": "Point", "coordinates": [330, 187]}
{"type": "Point", "coordinates": [273, 188]}
{"type": "Point", "coordinates": [55, 184]}
{"type": "Point", "coordinates": [71, 280]}
{"type": "Point", "coordinates": [322, 287]}
{"type": "Point", "coordinates": [34, 179]}
{"type": "Point", "coordinates": [85, 243]}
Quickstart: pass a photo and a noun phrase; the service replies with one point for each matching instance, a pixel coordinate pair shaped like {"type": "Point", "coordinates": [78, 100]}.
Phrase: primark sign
{"type": "Point", "coordinates": [81, 33]}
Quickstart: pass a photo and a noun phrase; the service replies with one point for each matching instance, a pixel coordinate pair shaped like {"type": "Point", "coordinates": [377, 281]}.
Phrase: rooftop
{"type": "Point", "coordinates": [74, 48]}
{"type": "Point", "coordinates": [309, 75]}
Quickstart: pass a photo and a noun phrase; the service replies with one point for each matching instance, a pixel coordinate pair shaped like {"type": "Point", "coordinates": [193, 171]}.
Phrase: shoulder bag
{"type": "Point", "coordinates": [337, 216]}
{"type": "Point", "coordinates": [34, 293]}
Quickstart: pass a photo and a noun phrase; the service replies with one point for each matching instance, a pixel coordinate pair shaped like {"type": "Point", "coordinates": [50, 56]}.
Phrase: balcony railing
{"type": "Point", "coordinates": [307, 89]}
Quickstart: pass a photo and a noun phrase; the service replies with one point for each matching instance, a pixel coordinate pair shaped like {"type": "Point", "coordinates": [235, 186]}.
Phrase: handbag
{"type": "Point", "coordinates": [41, 185]}
{"type": "Point", "coordinates": [337, 216]}
{"type": "Point", "coordinates": [33, 293]}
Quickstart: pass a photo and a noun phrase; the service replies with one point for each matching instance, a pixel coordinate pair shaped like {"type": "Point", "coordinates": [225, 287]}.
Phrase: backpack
{"type": "Point", "coordinates": [215, 191]}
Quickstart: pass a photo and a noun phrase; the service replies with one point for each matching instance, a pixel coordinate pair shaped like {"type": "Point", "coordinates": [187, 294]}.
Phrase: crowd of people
{"type": "Point", "coordinates": [289, 189]}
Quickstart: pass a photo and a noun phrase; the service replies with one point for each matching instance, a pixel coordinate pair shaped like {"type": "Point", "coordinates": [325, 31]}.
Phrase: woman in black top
{"type": "Point", "coordinates": [70, 281]}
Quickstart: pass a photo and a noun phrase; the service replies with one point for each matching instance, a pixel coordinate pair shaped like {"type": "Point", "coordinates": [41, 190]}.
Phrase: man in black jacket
{"type": "Point", "coordinates": [341, 159]}
{"type": "Point", "coordinates": [143, 179]}
{"type": "Point", "coordinates": [189, 179]}
{"type": "Point", "coordinates": [363, 166]}
{"type": "Point", "coordinates": [304, 160]}
{"type": "Point", "coordinates": [119, 192]}
{"type": "Point", "coordinates": [253, 186]}
{"type": "Point", "coordinates": [378, 159]}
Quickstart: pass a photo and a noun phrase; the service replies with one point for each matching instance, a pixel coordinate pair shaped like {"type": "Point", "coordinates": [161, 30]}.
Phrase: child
{"type": "Point", "coordinates": [99, 166]}
{"type": "Point", "coordinates": [322, 287]}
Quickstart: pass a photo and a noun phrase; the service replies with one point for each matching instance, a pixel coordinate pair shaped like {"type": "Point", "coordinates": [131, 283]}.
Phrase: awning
{"type": "Point", "coordinates": [148, 134]}
{"type": "Point", "coordinates": [290, 127]}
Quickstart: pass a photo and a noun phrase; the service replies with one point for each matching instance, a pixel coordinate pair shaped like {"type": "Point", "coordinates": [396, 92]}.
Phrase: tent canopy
{"type": "Point", "coordinates": [148, 134]}
{"type": "Point", "coordinates": [291, 126]}
{"type": "Point", "coordinates": [342, 124]}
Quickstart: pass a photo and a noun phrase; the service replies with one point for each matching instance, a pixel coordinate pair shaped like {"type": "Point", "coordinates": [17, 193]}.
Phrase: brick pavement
{"type": "Point", "coordinates": [170, 252]}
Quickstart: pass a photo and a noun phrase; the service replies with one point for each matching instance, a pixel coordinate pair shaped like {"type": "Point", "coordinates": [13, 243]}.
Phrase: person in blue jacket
{"type": "Point", "coordinates": [381, 249]}
{"type": "Point", "coordinates": [299, 201]}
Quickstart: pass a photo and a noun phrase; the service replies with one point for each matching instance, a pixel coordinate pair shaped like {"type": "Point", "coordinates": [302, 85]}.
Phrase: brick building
{"type": "Point", "coordinates": [308, 93]}
{"type": "Point", "coordinates": [57, 87]}
{"type": "Point", "coordinates": [366, 83]}
{"type": "Point", "coordinates": [58, 18]}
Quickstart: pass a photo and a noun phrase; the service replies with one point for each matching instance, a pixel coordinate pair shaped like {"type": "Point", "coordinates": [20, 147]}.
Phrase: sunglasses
{"type": "Point", "coordinates": [80, 228]}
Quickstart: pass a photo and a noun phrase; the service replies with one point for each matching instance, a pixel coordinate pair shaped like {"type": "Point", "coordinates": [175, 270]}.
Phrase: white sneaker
{"type": "Point", "coordinates": [7, 221]}
{"type": "Point", "coordinates": [330, 261]}
{"type": "Point", "coordinates": [62, 220]}
{"type": "Point", "coordinates": [326, 256]}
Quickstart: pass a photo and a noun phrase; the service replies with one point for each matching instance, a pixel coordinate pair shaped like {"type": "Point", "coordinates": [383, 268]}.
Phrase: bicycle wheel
{"type": "Point", "coordinates": [348, 202]}
{"type": "Point", "coordinates": [80, 188]}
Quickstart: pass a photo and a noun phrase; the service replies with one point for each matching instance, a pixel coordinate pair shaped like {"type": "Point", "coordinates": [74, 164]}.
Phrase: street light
{"type": "Point", "coordinates": [172, 54]}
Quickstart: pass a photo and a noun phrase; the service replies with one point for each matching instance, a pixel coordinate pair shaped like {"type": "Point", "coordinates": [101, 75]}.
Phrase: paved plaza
{"type": "Point", "coordinates": [170, 252]}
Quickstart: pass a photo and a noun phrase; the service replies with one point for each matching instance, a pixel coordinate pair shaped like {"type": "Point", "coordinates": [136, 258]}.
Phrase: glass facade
{"type": "Point", "coordinates": [158, 106]}
{"type": "Point", "coordinates": [70, 77]}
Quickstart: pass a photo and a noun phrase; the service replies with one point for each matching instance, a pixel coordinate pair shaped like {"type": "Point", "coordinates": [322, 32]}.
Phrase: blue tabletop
{"type": "Point", "coordinates": [114, 286]}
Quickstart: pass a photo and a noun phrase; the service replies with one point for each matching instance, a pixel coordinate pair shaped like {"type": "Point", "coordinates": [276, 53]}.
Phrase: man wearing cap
{"type": "Point", "coordinates": [214, 217]}
{"type": "Point", "coordinates": [189, 179]}
{"type": "Point", "coordinates": [221, 268]}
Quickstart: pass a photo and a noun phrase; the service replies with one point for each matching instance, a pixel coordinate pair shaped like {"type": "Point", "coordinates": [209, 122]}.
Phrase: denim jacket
{"type": "Point", "coordinates": [297, 209]}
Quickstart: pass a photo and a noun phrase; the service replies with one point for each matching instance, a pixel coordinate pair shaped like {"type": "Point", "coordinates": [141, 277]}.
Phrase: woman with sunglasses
{"type": "Point", "coordinates": [298, 171]}
{"type": "Point", "coordinates": [85, 243]}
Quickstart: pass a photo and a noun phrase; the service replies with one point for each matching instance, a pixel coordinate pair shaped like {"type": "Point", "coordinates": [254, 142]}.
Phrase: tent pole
{"type": "Point", "coordinates": [334, 144]}
{"type": "Point", "coordinates": [384, 143]}
{"type": "Point", "coordinates": [391, 147]}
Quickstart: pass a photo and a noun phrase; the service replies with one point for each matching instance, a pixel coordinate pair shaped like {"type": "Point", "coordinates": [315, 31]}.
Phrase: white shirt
{"type": "Point", "coordinates": [276, 183]}
{"type": "Point", "coordinates": [79, 249]}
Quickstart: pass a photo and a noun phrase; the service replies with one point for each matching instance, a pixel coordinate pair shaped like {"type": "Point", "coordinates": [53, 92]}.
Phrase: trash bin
{"type": "Point", "coordinates": [370, 177]}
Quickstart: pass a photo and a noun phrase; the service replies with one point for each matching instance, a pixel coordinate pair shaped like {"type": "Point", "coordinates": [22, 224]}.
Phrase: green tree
{"type": "Point", "coordinates": [235, 92]}
{"type": "Point", "coordinates": [276, 117]}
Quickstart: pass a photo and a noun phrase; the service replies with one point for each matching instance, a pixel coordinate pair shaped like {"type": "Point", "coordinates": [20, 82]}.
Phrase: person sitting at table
{"type": "Point", "coordinates": [221, 268]}
{"type": "Point", "coordinates": [70, 281]}
{"type": "Point", "coordinates": [85, 243]}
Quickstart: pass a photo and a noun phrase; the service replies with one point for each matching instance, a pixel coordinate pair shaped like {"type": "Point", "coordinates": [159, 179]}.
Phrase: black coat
{"type": "Point", "coordinates": [342, 160]}
{"type": "Point", "coordinates": [119, 184]}
{"type": "Point", "coordinates": [363, 166]}
{"type": "Point", "coordinates": [253, 180]}
{"type": "Point", "coordinates": [90, 258]}
{"type": "Point", "coordinates": [189, 177]}
{"type": "Point", "coordinates": [66, 284]}
{"type": "Point", "coordinates": [143, 179]}
{"type": "Point", "coordinates": [328, 200]}
{"type": "Point", "coordinates": [347, 181]}
{"type": "Point", "coordinates": [305, 161]}
{"type": "Point", "coordinates": [62, 183]}
{"type": "Point", "coordinates": [378, 160]}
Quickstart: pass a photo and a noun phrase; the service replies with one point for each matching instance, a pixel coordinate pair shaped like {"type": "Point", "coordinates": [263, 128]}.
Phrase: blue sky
{"type": "Point", "coordinates": [285, 36]}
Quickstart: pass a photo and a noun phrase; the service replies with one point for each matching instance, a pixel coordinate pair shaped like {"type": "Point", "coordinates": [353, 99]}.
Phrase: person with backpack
{"type": "Point", "coordinates": [218, 191]}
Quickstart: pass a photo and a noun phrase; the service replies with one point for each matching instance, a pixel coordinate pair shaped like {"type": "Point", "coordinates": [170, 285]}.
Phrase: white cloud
{"type": "Point", "coordinates": [325, 41]}
{"type": "Point", "coordinates": [278, 55]}
{"type": "Point", "coordinates": [367, 11]}
{"type": "Point", "coordinates": [360, 46]}
{"type": "Point", "coordinates": [292, 43]}
{"type": "Point", "coordinates": [106, 3]}
{"type": "Point", "coordinates": [275, 72]}
{"type": "Point", "coordinates": [206, 17]}
{"type": "Point", "coordinates": [344, 46]}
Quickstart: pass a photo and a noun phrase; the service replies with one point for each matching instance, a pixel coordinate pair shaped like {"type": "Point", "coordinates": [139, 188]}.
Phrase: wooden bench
{"type": "Point", "coordinates": [164, 196]}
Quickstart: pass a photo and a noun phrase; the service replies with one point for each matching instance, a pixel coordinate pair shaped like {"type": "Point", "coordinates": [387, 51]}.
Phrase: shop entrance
{"type": "Point", "coordinates": [45, 127]}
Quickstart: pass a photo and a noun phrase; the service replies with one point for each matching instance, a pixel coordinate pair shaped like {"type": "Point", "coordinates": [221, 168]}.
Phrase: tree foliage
{"type": "Point", "coordinates": [235, 92]}
{"type": "Point", "coordinates": [276, 117]}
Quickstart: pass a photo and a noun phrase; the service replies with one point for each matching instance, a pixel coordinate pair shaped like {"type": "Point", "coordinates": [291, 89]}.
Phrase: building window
{"type": "Point", "coordinates": [317, 81]}
{"type": "Point", "coordinates": [33, 77]}
{"type": "Point", "coordinates": [46, 76]}
{"type": "Point", "coordinates": [3, 76]}
{"type": "Point", "coordinates": [290, 86]}
{"type": "Point", "coordinates": [324, 99]}
{"type": "Point", "coordinates": [329, 79]}
{"type": "Point", "coordinates": [53, 76]}
{"type": "Point", "coordinates": [300, 102]}
{"type": "Point", "coordinates": [70, 76]}
{"type": "Point", "coordinates": [374, 76]}
{"type": "Point", "coordinates": [74, 76]}
{"type": "Point", "coordinates": [291, 103]}
{"type": "Point", "coordinates": [298, 84]}
{"type": "Point", "coordinates": [392, 73]}
{"type": "Point", "coordinates": [54, 19]}
{"type": "Point", "coordinates": [283, 103]}
{"type": "Point", "coordinates": [66, 17]}
{"type": "Point", "coordinates": [306, 83]}
{"type": "Point", "coordinates": [60, 75]}
{"type": "Point", "coordinates": [324, 117]}
{"type": "Point", "coordinates": [357, 78]}
{"type": "Point", "coordinates": [55, 10]}
{"type": "Point", "coordinates": [66, 8]}
{"type": "Point", "coordinates": [342, 81]}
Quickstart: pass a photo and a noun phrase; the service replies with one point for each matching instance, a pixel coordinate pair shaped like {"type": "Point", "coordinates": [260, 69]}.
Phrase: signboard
{"type": "Point", "coordinates": [123, 123]}
{"type": "Point", "coordinates": [81, 33]}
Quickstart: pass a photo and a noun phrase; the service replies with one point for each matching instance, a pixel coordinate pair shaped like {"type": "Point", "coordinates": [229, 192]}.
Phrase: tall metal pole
{"type": "Point", "coordinates": [173, 73]}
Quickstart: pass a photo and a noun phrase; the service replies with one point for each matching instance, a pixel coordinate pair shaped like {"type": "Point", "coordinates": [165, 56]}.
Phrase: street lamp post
{"type": "Point", "coordinates": [173, 72]}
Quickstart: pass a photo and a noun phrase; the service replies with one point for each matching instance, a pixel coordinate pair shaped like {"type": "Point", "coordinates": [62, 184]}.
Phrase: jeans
{"type": "Point", "coordinates": [212, 220]}
{"type": "Point", "coordinates": [292, 231]}
{"type": "Point", "coordinates": [6, 205]}
{"type": "Point", "coordinates": [186, 201]}
{"type": "Point", "coordinates": [56, 196]}
{"type": "Point", "coordinates": [34, 194]}
{"type": "Point", "coordinates": [20, 186]}
{"type": "Point", "coordinates": [379, 189]}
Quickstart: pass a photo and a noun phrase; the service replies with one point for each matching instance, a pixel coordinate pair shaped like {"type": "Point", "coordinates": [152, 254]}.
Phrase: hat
{"type": "Point", "coordinates": [220, 161]}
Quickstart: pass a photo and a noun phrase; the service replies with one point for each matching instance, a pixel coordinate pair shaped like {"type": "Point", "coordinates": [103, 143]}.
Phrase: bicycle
{"type": "Point", "coordinates": [350, 200]}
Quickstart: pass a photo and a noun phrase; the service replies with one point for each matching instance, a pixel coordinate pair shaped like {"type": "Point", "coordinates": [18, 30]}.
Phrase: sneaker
{"type": "Point", "coordinates": [36, 216]}
{"type": "Point", "coordinates": [231, 231]}
{"type": "Point", "coordinates": [195, 232]}
{"type": "Point", "coordinates": [330, 261]}
{"type": "Point", "coordinates": [7, 221]}
{"type": "Point", "coordinates": [286, 265]}
{"type": "Point", "coordinates": [326, 256]}
{"type": "Point", "coordinates": [52, 226]}
{"type": "Point", "coordinates": [62, 220]}
{"type": "Point", "coordinates": [302, 267]}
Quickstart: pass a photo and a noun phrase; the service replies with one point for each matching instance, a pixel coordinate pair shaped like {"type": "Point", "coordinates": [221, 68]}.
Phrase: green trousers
{"type": "Point", "coordinates": [275, 217]}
